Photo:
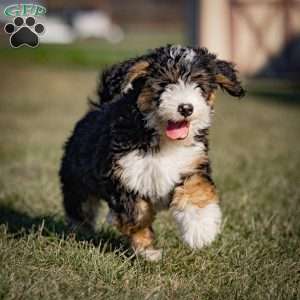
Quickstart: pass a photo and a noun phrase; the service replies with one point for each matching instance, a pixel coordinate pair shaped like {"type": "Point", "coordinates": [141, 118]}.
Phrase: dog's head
{"type": "Point", "coordinates": [176, 88]}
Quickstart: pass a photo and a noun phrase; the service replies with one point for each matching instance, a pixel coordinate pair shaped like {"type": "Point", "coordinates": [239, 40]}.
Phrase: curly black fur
{"type": "Point", "coordinates": [97, 142]}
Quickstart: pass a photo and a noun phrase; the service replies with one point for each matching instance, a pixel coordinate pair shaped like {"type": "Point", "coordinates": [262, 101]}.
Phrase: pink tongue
{"type": "Point", "coordinates": [177, 130]}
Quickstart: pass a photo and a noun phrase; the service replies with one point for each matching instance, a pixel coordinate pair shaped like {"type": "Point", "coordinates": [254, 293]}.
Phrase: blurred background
{"type": "Point", "coordinates": [261, 37]}
{"type": "Point", "coordinates": [255, 143]}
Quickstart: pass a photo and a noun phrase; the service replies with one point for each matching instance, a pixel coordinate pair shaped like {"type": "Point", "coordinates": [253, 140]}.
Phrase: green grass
{"type": "Point", "coordinates": [255, 154]}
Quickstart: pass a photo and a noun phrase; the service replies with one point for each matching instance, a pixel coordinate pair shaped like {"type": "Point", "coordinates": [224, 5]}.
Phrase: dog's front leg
{"type": "Point", "coordinates": [196, 210]}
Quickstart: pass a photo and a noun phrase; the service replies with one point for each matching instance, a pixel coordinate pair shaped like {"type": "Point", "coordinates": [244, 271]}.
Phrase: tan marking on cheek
{"type": "Point", "coordinates": [211, 98]}
{"type": "Point", "coordinates": [195, 190]}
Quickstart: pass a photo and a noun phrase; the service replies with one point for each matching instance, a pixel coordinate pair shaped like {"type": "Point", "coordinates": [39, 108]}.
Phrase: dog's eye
{"type": "Point", "coordinates": [204, 91]}
{"type": "Point", "coordinates": [157, 100]}
{"type": "Point", "coordinates": [199, 86]}
{"type": "Point", "coordinates": [162, 85]}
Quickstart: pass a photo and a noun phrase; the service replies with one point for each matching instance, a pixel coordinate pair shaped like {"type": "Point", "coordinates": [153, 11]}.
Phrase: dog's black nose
{"type": "Point", "coordinates": [185, 109]}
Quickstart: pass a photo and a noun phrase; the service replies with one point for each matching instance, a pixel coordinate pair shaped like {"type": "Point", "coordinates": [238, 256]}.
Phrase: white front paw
{"type": "Point", "coordinates": [198, 226]}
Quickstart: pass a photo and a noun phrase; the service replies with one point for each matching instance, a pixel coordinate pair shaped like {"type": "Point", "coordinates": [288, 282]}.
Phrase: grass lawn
{"type": "Point", "coordinates": [255, 151]}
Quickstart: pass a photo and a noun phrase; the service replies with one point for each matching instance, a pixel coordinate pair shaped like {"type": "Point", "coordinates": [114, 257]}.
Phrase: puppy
{"type": "Point", "coordinates": [144, 147]}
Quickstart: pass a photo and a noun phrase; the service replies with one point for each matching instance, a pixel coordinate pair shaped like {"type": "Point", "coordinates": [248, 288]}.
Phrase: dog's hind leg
{"type": "Point", "coordinates": [81, 210]}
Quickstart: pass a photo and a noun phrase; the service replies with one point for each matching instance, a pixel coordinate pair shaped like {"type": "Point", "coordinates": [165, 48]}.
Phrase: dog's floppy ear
{"type": "Point", "coordinates": [226, 78]}
{"type": "Point", "coordinates": [138, 70]}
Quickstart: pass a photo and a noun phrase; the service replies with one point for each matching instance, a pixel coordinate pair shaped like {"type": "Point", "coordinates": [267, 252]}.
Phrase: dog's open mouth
{"type": "Point", "coordinates": [177, 130]}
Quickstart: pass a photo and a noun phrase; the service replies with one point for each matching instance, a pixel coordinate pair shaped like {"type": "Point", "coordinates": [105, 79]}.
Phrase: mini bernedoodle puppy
{"type": "Point", "coordinates": [143, 147]}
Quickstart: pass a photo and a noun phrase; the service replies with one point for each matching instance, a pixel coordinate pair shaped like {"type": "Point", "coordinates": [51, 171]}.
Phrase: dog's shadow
{"type": "Point", "coordinates": [19, 224]}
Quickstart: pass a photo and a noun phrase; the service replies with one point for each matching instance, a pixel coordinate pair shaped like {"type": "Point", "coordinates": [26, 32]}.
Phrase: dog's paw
{"type": "Point", "coordinates": [150, 254]}
{"type": "Point", "coordinates": [198, 226]}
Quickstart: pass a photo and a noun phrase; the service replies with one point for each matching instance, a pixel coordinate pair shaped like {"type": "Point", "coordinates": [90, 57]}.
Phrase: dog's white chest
{"type": "Point", "coordinates": [154, 175]}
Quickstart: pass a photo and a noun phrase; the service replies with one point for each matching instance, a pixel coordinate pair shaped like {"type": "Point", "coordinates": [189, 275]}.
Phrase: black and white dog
{"type": "Point", "coordinates": [144, 147]}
